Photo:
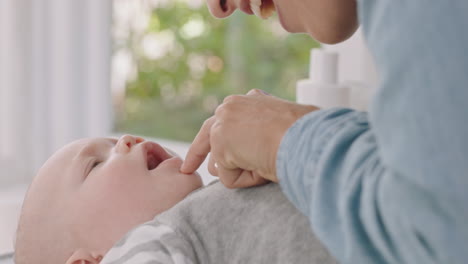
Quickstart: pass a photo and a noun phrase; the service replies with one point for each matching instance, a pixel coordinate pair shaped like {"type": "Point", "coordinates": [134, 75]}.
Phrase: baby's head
{"type": "Point", "coordinates": [93, 191]}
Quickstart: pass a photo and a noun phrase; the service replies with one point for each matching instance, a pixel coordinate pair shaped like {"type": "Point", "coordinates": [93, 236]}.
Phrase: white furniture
{"type": "Point", "coordinates": [10, 206]}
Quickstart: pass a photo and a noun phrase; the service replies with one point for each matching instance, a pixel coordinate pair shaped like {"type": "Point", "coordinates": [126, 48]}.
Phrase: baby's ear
{"type": "Point", "coordinates": [83, 256]}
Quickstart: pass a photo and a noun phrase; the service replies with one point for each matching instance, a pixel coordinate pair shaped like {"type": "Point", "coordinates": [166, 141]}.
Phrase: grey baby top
{"type": "Point", "coordinates": [219, 225]}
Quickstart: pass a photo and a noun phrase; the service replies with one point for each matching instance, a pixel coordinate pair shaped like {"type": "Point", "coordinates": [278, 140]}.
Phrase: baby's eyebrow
{"type": "Point", "coordinates": [90, 149]}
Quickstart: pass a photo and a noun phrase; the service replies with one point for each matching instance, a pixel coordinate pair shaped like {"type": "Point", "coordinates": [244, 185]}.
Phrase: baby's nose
{"type": "Point", "coordinates": [126, 142]}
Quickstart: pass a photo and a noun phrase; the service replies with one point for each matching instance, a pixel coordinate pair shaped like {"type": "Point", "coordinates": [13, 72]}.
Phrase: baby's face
{"type": "Point", "coordinates": [98, 189]}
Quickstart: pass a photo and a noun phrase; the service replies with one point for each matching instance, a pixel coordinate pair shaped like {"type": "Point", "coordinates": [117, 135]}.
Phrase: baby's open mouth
{"type": "Point", "coordinates": [155, 154]}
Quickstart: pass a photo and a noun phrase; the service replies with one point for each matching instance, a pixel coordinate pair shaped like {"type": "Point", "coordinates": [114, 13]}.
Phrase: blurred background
{"type": "Point", "coordinates": [157, 68]}
{"type": "Point", "coordinates": [173, 63]}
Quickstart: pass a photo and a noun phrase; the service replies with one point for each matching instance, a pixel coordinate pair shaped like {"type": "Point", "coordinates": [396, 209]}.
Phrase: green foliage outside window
{"type": "Point", "coordinates": [201, 60]}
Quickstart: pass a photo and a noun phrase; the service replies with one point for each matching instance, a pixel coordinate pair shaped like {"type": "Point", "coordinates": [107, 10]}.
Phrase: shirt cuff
{"type": "Point", "coordinates": [300, 151]}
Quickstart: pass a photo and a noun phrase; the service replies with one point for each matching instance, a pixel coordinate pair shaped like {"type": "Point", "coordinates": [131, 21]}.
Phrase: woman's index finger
{"type": "Point", "coordinates": [199, 149]}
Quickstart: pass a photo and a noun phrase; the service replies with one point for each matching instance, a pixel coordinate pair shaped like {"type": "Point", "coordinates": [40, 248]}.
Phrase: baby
{"type": "Point", "coordinates": [93, 191]}
{"type": "Point", "coordinates": [106, 201]}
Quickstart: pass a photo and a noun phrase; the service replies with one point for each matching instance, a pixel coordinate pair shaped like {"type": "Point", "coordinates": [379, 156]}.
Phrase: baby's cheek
{"type": "Point", "coordinates": [118, 184]}
{"type": "Point", "coordinates": [121, 173]}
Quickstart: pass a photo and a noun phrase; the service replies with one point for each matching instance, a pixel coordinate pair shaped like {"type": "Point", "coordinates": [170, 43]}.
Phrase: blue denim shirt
{"type": "Point", "coordinates": [391, 186]}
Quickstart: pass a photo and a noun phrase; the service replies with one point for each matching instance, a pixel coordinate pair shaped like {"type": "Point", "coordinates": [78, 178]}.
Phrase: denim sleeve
{"type": "Point", "coordinates": [391, 186]}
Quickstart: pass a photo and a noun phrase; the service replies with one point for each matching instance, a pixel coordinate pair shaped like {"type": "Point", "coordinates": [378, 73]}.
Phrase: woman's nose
{"type": "Point", "coordinates": [221, 8]}
{"type": "Point", "coordinates": [126, 142]}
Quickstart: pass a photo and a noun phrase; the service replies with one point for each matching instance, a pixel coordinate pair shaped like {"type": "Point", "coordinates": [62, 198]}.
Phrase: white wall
{"type": "Point", "coordinates": [54, 79]}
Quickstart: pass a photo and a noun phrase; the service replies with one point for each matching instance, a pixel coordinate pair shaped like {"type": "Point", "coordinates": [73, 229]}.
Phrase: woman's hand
{"type": "Point", "coordinates": [243, 137]}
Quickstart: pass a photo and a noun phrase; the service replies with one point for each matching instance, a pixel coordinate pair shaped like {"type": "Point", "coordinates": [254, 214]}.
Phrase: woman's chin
{"type": "Point", "coordinates": [289, 28]}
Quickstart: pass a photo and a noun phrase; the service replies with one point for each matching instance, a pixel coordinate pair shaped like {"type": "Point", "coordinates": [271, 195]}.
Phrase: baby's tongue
{"type": "Point", "coordinates": [153, 162]}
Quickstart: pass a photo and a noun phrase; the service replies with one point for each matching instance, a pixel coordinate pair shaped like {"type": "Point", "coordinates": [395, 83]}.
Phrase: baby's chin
{"type": "Point", "coordinates": [171, 168]}
{"type": "Point", "coordinates": [175, 164]}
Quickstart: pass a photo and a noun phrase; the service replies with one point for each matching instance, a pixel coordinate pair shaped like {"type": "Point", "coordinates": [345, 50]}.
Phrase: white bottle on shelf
{"type": "Point", "coordinates": [359, 95]}
{"type": "Point", "coordinates": [322, 88]}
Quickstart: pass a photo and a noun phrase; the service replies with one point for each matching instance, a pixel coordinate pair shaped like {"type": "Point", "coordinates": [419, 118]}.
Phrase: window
{"type": "Point", "coordinates": [173, 64]}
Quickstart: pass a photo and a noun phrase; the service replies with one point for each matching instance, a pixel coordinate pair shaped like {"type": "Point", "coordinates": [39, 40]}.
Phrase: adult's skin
{"type": "Point", "coordinates": [243, 137]}
{"type": "Point", "coordinates": [328, 21]}
{"type": "Point", "coordinates": [244, 134]}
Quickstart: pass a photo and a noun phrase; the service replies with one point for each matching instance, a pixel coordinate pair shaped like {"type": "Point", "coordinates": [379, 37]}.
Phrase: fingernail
{"type": "Point", "coordinates": [264, 92]}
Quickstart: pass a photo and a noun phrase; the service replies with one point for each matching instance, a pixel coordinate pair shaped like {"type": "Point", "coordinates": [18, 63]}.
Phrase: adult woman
{"type": "Point", "coordinates": [388, 187]}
